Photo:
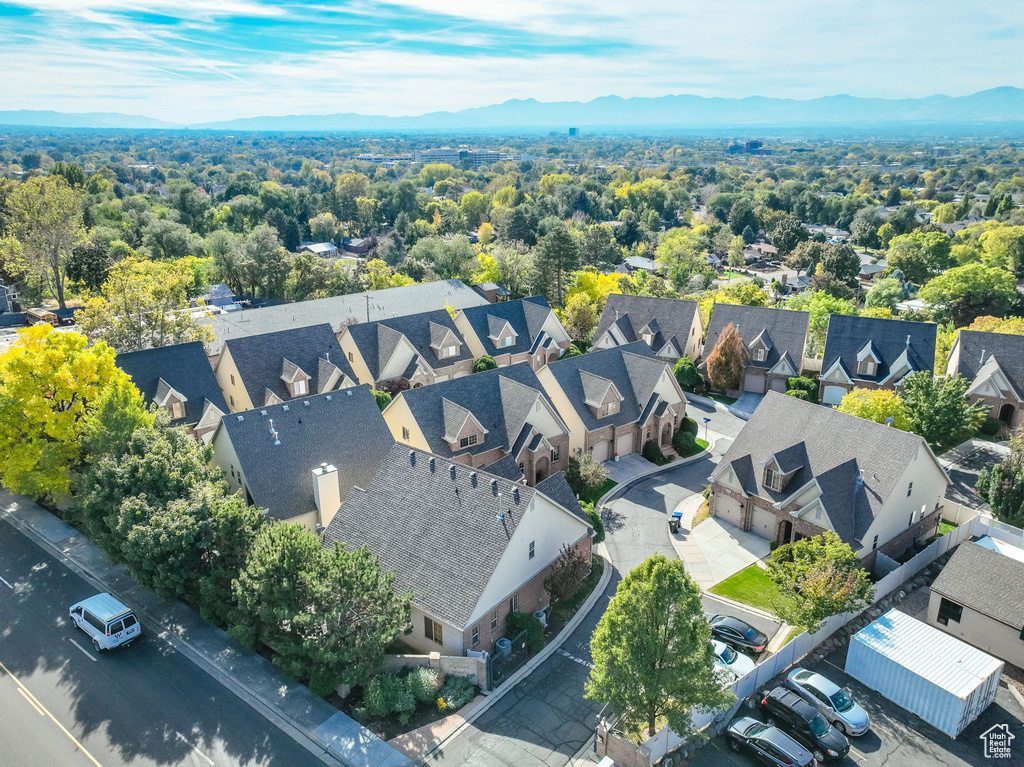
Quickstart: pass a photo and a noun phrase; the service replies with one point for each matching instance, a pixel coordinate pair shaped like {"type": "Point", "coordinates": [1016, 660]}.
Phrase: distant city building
{"type": "Point", "coordinates": [940, 151]}
{"type": "Point", "coordinates": [573, 132]}
{"type": "Point", "coordinates": [441, 155]}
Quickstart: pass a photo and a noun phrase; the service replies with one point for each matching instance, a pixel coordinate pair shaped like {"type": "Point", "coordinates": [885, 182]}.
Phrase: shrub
{"type": "Point", "coordinates": [800, 394]}
{"type": "Point", "coordinates": [388, 694]}
{"type": "Point", "coordinates": [584, 475]}
{"type": "Point", "coordinates": [382, 398]}
{"type": "Point", "coordinates": [519, 621]}
{"type": "Point", "coordinates": [487, 362]}
{"type": "Point", "coordinates": [567, 574]}
{"type": "Point", "coordinates": [688, 376]}
{"type": "Point", "coordinates": [801, 383]}
{"type": "Point", "coordinates": [652, 452]}
{"type": "Point", "coordinates": [684, 443]}
{"type": "Point", "coordinates": [690, 425]}
{"type": "Point", "coordinates": [457, 691]}
{"type": "Point", "coordinates": [991, 426]}
{"type": "Point", "coordinates": [572, 351]}
{"type": "Point", "coordinates": [424, 684]}
{"type": "Point", "coordinates": [594, 517]}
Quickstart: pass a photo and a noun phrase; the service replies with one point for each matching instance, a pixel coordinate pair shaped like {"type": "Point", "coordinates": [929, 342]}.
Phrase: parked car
{"type": "Point", "coordinates": [736, 633]}
{"type": "Point", "coordinates": [835, 703]}
{"type": "Point", "coordinates": [108, 622]}
{"type": "Point", "coordinates": [767, 744]}
{"type": "Point", "coordinates": [785, 709]}
{"type": "Point", "coordinates": [731, 660]}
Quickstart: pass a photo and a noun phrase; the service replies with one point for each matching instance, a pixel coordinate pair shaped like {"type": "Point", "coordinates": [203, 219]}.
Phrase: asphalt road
{"type": "Point", "coordinates": [63, 705]}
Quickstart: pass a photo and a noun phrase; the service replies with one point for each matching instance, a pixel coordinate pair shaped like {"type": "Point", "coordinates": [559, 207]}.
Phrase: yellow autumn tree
{"type": "Point", "coordinates": [876, 405]}
{"type": "Point", "coordinates": [50, 384]}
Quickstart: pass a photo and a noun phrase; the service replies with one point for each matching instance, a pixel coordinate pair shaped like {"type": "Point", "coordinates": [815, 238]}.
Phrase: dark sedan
{"type": "Point", "coordinates": [737, 633]}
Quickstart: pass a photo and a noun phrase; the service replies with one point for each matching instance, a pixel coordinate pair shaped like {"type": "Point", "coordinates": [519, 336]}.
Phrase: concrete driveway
{"type": "Point", "coordinates": [628, 467]}
{"type": "Point", "coordinates": [726, 548]}
{"type": "Point", "coordinates": [745, 406]}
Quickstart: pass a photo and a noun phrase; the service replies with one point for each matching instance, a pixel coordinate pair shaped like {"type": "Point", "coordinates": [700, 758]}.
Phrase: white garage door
{"type": "Point", "coordinates": [600, 451]}
{"type": "Point", "coordinates": [624, 444]}
{"type": "Point", "coordinates": [727, 508]}
{"type": "Point", "coordinates": [754, 382]}
{"type": "Point", "coordinates": [779, 384]}
{"type": "Point", "coordinates": [763, 523]}
{"type": "Point", "coordinates": [833, 395]}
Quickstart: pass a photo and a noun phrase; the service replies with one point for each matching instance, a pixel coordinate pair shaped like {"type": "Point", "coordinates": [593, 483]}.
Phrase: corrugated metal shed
{"type": "Point", "coordinates": [943, 680]}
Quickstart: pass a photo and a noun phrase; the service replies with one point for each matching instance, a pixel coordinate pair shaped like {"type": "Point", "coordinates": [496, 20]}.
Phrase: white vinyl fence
{"type": "Point", "coordinates": [665, 741]}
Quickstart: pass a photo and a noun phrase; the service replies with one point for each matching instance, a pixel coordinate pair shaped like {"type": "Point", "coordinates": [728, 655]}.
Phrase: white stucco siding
{"type": "Point", "coordinates": [668, 388]}
{"type": "Point", "coordinates": [695, 341]}
{"type": "Point", "coordinates": [929, 487]}
{"type": "Point", "coordinates": [451, 635]}
{"type": "Point", "coordinates": [226, 458]}
{"type": "Point", "coordinates": [577, 431]}
{"type": "Point", "coordinates": [555, 329]}
{"type": "Point", "coordinates": [398, 417]}
{"type": "Point", "coordinates": [474, 343]}
{"type": "Point", "coordinates": [399, 361]}
{"type": "Point", "coordinates": [548, 527]}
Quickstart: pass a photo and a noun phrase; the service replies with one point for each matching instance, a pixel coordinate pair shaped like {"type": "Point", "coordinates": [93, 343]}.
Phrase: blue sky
{"type": "Point", "coordinates": [198, 60]}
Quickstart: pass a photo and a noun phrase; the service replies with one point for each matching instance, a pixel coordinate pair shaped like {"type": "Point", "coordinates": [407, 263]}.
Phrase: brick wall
{"type": "Point", "coordinates": [532, 597]}
{"type": "Point", "coordinates": [901, 542]}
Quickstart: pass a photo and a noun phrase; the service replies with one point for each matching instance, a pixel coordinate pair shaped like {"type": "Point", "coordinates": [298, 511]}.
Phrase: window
{"type": "Point", "coordinates": [522, 466]}
{"type": "Point", "coordinates": [874, 544]}
{"type": "Point", "coordinates": [405, 432]}
{"type": "Point", "coordinates": [299, 388]}
{"type": "Point", "coordinates": [95, 622]}
{"type": "Point", "coordinates": [468, 441]}
{"type": "Point", "coordinates": [433, 630]}
{"type": "Point", "coordinates": [116, 627]}
{"type": "Point", "coordinates": [759, 355]}
{"type": "Point", "coordinates": [949, 611]}
{"type": "Point", "coordinates": [130, 621]}
{"type": "Point", "coordinates": [450, 351]}
{"type": "Point", "coordinates": [232, 400]}
{"type": "Point", "coordinates": [533, 548]}
{"type": "Point", "coordinates": [648, 339]}
{"type": "Point", "coordinates": [351, 357]}
{"type": "Point", "coordinates": [910, 489]}
{"type": "Point", "coordinates": [555, 454]}
{"type": "Point", "coordinates": [772, 479]}
{"type": "Point", "coordinates": [508, 341]}
{"type": "Point", "coordinates": [867, 367]}
{"type": "Point", "coordinates": [513, 604]}
{"type": "Point", "coordinates": [611, 408]}
{"type": "Point", "coordinates": [494, 619]}
{"type": "Point", "coordinates": [232, 379]}
{"type": "Point", "coordinates": [177, 410]}
{"type": "Point", "coordinates": [476, 635]}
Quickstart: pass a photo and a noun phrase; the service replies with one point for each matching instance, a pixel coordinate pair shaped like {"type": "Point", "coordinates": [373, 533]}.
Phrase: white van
{"type": "Point", "coordinates": [107, 621]}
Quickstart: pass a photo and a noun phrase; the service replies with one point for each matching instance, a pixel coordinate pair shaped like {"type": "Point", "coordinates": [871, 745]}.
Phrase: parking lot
{"type": "Point", "coordinates": [897, 738]}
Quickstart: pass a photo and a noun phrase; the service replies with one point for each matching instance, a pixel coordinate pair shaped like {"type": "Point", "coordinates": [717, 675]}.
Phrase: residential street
{"type": "Point", "coordinates": [63, 705]}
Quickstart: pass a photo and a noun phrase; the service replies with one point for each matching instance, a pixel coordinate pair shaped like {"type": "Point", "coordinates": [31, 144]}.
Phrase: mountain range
{"type": "Point", "coordinates": [998, 105]}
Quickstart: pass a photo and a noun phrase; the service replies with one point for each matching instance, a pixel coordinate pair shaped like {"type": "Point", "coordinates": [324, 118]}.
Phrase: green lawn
{"type": "Point", "coordinates": [946, 527]}
{"type": "Point", "coordinates": [794, 632]}
{"type": "Point", "coordinates": [732, 275]}
{"type": "Point", "coordinates": [720, 398]}
{"type": "Point", "coordinates": [595, 495]}
{"type": "Point", "coordinates": [749, 586]}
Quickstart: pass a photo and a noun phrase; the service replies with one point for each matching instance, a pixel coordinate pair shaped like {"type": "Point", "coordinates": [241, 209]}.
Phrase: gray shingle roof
{"type": "Point", "coordinates": [262, 360]}
{"type": "Point", "coordinates": [556, 487]}
{"type": "Point", "coordinates": [1007, 349]}
{"type": "Point", "coordinates": [847, 336]}
{"type": "Point", "coordinates": [837, 449]}
{"type": "Point", "coordinates": [786, 329]}
{"type": "Point", "coordinates": [184, 367]}
{"type": "Point", "coordinates": [500, 399]}
{"type": "Point", "coordinates": [339, 311]}
{"type": "Point", "coordinates": [672, 319]}
{"type": "Point", "coordinates": [377, 341]}
{"type": "Point", "coordinates": [442, 536]}
{"type": "Point", "coordinates": [633, 369]}
{"type": "Point", "coordinates": [343, 428]}
{"type": "Point", "coordinates": [986, 581]}
{"type": "Point", "coordinates": [525, 315]}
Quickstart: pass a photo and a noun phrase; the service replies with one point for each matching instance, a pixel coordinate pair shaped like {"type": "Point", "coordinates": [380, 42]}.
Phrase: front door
{"type": "Point", "coordinates": [787, 531]}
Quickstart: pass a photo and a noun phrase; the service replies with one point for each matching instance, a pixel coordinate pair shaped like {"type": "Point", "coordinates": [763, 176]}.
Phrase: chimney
{"type": "Point", "coordinates": [326, 492]}
{"type": "Point", "coordinates": [982, 360]}
{"type": "Point", "coordinates": [908, 340]}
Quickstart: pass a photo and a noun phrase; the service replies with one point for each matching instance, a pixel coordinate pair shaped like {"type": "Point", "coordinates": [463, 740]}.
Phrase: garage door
{"type": "Point", "coordinates": [754, 382]}
{"type": "Point", "coordinates": [601, 450]}
{"type": "Point", "coordinates": [779, 384]}
{"type": "Point", "coordinates": [438, 379]}
{"type": "Point", "coordinates": [833, 395]}
{"type": "Point", "coordinates": [727, 508]}
{"type": "Point", "coordinates": [763, 523]}
{"type": "Point", "coordinates": [624, 444]}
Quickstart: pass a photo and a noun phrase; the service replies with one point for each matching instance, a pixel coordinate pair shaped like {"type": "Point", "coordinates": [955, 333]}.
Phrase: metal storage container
{"type": "Point", "coordinates": [944, 681]}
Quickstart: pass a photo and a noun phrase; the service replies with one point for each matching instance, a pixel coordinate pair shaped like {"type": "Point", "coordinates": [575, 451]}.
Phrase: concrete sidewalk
{"type": "Point", "coordinates": [314, 723]}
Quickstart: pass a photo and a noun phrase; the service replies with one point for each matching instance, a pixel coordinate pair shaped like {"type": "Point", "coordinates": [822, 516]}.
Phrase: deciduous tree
{"type": "Point", "coordinates": [966, 292]}
{"type": "Point", "coordinates": [877, 405]}
{"type": "Point", "coordinates": [939, 409]}
{"type": "Point", "coordinates": [1002, 486]}
{"type": "Point", "coordinates": [580, 316]}
{"type": "Point", "coordinates": [725, 362]}
{"type": "Point", "coordinates": [585, 475]}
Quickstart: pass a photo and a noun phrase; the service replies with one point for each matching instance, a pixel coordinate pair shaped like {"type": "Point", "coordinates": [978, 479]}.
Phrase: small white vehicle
{"type": "Point", "coordinates": [830, 699]}
{"type": "Point", "coordinates": [108, 622]}
{"type": "Point", "coordinates": [731, 660]}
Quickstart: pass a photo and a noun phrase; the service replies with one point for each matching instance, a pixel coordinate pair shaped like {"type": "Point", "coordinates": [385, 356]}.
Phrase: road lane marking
{"type": "Point", "coordinates": [82, 649]}
{"type": "Point", "coordinates": [8, 585]}
{"type": "Point", "coordinates": [858, 754]}
{"type": "Point", "coordinates": [53, 719]}
{"type": "Point", "coordinates": [31, 702]}
{"type": "Point", "coordinates": [182, 737]}
{"type": "Point", "coordinates": [582, 662]}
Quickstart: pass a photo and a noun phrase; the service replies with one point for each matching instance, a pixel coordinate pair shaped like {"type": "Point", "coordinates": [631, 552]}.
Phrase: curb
{"type": "Point", "coordinates": [604, 499]}
{"type": "Point", "coordinates": [536, 660]}
{"type": "Point", "coordinates": [755, 610]}
{"type": "Point", "coordinates": [303, 737]}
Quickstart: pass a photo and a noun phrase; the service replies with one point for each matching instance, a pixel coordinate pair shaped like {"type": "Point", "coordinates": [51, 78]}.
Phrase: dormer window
{"type": "Point", "coordinates": [507, 341]}
{"type": "Point", "coordinates": [867, 367]}
{"type": "Point", "coordinates": [772, 479]}
{"type": "Point", "coordinates": [468, 441]}
{"type": "Point", "coordinates": [610, 409]}
{"type": "Point", "coordinates": [450, 351]}
{"type": "Point", "coordinates": [178, 411]}
{"type": "Point", "coordinates": [299, 387]}
{"type": "Point", "coordinates": [648, 338]}
{"type": "Point", "coordinates": [759, 355]}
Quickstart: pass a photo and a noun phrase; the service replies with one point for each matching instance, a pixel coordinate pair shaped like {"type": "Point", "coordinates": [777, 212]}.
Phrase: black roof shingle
{"type": "Point", "coordinates": [892, 341]}
{"type": "Point", "coordinates": [526, 316]}
{"type": "Point", "coordinates": [378, 340]}
{"type": "Point", "coordinates": [984, 580]}
{"type": "Point", "coordinates": [184, 367]}
{"type": "Point", "coordinates": [673, 319]}
{"type": "Point", "coordinates": [785, 330]}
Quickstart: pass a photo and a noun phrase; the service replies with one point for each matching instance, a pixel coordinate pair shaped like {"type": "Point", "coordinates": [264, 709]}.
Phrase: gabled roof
{"type": "Point", "coordinates": [263, 361]}
{"type": "Point", "coordinates": [672, 319]}
{"type": "Point", "coordinates": [441, 526]}
{"type": "Point", "coordinates": [817, 443]}
{"type": "Point", "coordinates": [633, 369]}
{"type": "Point", "coordinates": [377, 341]}
{"type": "Point", "coordinates": [339, 311]}
{"type": "Point", "coordinates": [595, 388]}
{"type": "Point", "coordinates": [786, 330]}
{"type": "Point", "coordinates": [984, 580]}
{"type": "Point", "coordinates": [1007, 351]}
{"type": "Point", "coordinates": [526, 316]}
{"type": "Point", "coordinates": [342, 428]}
{"type": "Point", "coordinates": [501, 400]}
{"type": "Point", "coordinates": [897, 343]}
{"type": "Point", "coordinates": [183, 367]}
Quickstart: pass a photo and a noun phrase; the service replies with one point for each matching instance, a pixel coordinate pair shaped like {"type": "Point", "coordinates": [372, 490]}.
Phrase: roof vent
{"type": "Point", "coordinates": [451, 471]}
{"type": "Point", "coordinates": [263, 412]}
{"type": "Point", "coordinates": [348, 392]}
{"type": "Point", "coordinates": [472, 478]}
{"type": "Point", "coordinates": [305, 402]}
{"type": "Point", "coordinates": [241, 418]}
{"type": "Point", "coordinates": [284, 408]}
{"type": "Point", "coordinates": [432, 463]}
{"type": "Point", "coordinates": [328, 397]}
{"type": "Point", "coordinates": [494, 486]}
{"type": "Point", "coordinates": [982, 360]}
{"type": "Point", "coordinates": [515, 495]}
{"type": "Point", "coordinates": [908, 340]}
{"type": "Point", "coordinates": [412, 457]}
